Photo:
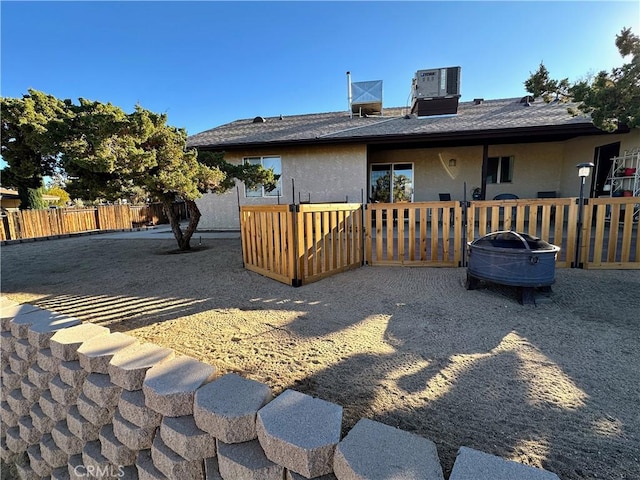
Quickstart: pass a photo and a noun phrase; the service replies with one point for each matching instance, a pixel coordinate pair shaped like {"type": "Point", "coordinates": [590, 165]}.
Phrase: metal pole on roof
{"type": "Point", "coordinates": [349, 93]}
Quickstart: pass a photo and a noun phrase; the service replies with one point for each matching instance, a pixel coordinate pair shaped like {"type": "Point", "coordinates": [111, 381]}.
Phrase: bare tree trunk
{"type": "Point", "coordinates": [183, 238]}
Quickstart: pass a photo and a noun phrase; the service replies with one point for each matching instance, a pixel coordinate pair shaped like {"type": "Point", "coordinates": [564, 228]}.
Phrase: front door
{"type": "Point", "coordinates": [602, 160]}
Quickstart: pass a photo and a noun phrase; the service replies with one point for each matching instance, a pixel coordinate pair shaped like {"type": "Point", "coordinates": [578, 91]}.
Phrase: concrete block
{"type": "Point", "coordinates": [131, 435]}
{"type": "Point", "coordinates": [61, 473]}
{"type": "Point", "coordinates": [113, 449]}
{"type": "Point", "coordinates": [6, 455]}
{"type": "Point", "coordinates": [18, 365]}
{"type": "Point", "coordinates": [372, 449]}
{"type": "Point", "coordinates": [300, 432]}
{"type": "Point", "coordinates": [25, 350]}
{"type": "Point", "coordinates": [4, 357]}
{"type": "Point", "coordinates": [76, 468]}
{"type": "Point", "coordinates": [172, 465]}
{"type": "Point", "coordinates": [146, 469]}
{"type": "Point", "coordinates": [98, 387]}
{"type": "Point", "coordinates": [72, 373]}
{"type": "Point", "coordinates": [51, 408]}
{"type": "Point", "coordinates": [30, 391]}
{"type": "Point", "coordinates": [40, 333]}
{"type": "Point", "coordinates": [93, 412]}
{"type": "Point", "coordinates": [20, 324]}
{"type": "Point", "coordinates": [247, 461]}
{"type": "Point", "coordinates": [129, 366]}
{"type": "Point", "coordinates": [93, 460]}
{"type": "Point", "coordinates": [227, 407]}
{"type": "Point", "coordinates": [64, 343]}
{"type": "Point", "coordinates": [211, 469]}
{"type": "Point", "coordinates": [25, 472]}
{"type": "Point", "coordinates": [182, 435]}
{"type": "Point", "coordinates": [30, 434]}
{"type": "Point", "coordinates": [96, 353]}
{"type": "Point", "coordinates": [19, 405]}
{"type": "Point", "coordinates": [39, 377]}
{"type": "Point", "coordinates": [65, 440]}
{"type": "Point", "coordinates": [4, 391]}
{"type": "Point", "coordinates": [51, 453]}
{"type": "Point", "coordinates": [132, 407]}
{"type": "Point", "coordinates": [46, 361]}
{"type": "Point", "coordinates": [472, 464]}
{"type": "Point", "coordinates": [289, 475]}
{"type": "Point", "coordinates": [14, 442]}
{"type": "Point", "coordinates": [169, 387]}
{"type": "Point", "coordinates": [37, 463]}
{"type": "Point", "coordinates": [7, 342]}
{"type": "Point", "coordinates": [10, 379]}
{"type": "Point", "coordinates": [8, 416]}
{"type": "Point", "coordinates": [41, 420]}
{"type": "Point", "coordinates": [80, 426]}
{"type": "Point", "coordinates": [9, 311]}
{"type": "Point", "coordinates": [62, 392]}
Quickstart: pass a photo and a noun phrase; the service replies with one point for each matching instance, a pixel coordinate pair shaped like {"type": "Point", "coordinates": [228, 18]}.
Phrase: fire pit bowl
{"type": "Point", "coordinates": [511, 258]}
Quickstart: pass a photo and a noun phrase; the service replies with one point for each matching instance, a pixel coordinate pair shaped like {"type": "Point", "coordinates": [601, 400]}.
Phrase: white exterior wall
{"type": "Point", "coordinates": [326, 174]}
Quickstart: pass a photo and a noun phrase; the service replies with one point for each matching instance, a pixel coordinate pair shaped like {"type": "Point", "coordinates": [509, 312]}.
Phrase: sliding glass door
{"type": "Point", "coordinates": [391, 182]}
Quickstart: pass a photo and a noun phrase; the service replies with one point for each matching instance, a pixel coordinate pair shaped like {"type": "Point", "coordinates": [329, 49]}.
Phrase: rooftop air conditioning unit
{"type": "Point", "coordinates": [436, 91]}
{"type": "Point", "coordinates": [437, 83]}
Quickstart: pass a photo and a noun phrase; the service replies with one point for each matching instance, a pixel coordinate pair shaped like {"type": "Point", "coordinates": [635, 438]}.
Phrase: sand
{"type": "Point", "coordinates": [554, 385]}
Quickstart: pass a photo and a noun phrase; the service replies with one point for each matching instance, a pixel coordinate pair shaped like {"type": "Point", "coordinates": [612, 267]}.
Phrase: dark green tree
{"type": "Point", "coordinates": [103, 152]}
{"type": "Point", "coordinates": [612, 99]}
{"type": "Point", "coordinates": [31, 131]}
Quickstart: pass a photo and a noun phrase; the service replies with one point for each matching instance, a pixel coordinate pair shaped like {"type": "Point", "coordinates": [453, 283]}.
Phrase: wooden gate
{"type": "Point", "coordinates": [299, 244]}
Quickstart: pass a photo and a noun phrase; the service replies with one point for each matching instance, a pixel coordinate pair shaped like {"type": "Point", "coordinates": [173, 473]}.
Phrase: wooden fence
{"type": "Point", "coordinates": [302, 243]}
{"type": "Point", "coordinates": [24, 224]}
{"type": "Point", "coordinates": [299, 244]}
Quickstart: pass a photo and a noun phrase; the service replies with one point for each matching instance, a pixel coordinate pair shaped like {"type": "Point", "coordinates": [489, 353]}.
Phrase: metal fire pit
{"type": "Point", "coordinates": [515, 259]}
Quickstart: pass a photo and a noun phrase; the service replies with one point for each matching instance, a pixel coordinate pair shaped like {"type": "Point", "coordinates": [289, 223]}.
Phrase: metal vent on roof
{"type": "Point", "coordinates": [259, 120]}
{"type": "Point", "coordinates": [367, 97]}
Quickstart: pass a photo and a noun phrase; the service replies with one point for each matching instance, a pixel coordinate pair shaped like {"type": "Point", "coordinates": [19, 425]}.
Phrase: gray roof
{"type": "Point", "coordinates": [490, 118]}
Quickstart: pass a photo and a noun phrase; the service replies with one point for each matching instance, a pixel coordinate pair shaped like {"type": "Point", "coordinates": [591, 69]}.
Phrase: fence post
{"type": "Point", "coordinates": [294, 210]}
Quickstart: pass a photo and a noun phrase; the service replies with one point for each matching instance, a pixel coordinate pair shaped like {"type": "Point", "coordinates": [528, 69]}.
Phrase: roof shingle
{"type": "Point", "coordinates": [490, 115]}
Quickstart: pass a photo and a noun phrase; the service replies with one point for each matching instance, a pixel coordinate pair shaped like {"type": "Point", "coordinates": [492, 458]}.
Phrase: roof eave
{"type": "Point", "coordinates": [537, 133]}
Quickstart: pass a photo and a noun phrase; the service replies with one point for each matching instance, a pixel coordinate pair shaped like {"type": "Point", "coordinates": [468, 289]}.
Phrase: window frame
{"type": "Point", "coordinates": [392, 170]}
{"type": "Point", "coordinates": [276, 192]}
{"type": "Point", "coordinates": [501, 160]}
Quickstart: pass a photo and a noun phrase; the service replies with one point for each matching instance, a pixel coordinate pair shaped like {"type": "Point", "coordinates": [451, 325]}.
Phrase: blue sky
{"type": "Point", "coordinates": [209, 63]}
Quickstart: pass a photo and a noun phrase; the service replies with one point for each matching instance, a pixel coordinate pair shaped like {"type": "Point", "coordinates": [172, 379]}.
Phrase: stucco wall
{"type": "Point", "coordinates": [326, 174]}
{"type": "Point", "coordinates": [536, 167]}
{"type": "Point", "coordinates": [582, 150]}
{"type": "Point", "coordinates": [333, 173]}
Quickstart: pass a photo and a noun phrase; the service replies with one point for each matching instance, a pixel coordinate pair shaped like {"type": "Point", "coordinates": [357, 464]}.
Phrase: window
{"type": "Point", "coordinates": [391, 182]}
{"type": "Point", "coordinates": [266, 162]}
{"type": "Point", "coordinates": [499, 169]}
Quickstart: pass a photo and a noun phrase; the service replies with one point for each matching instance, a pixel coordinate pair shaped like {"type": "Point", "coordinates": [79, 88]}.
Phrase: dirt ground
{"type": "Point", "coordinates": [554, 386]}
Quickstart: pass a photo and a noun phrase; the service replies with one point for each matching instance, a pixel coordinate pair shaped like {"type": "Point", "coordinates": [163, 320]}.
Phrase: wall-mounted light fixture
{"type": "Point", "coordinates": [452, 162]}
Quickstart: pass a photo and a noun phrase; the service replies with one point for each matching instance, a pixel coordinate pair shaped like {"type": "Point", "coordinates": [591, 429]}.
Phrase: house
{"type": "Point", "coordinates": [518, 146]}
{"type": "Point", "coordinates": [10, 200]}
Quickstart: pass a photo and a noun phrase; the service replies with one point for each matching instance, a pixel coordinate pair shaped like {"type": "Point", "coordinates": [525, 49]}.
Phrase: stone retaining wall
{"type": "Point", "coordinates": [81, 402]}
